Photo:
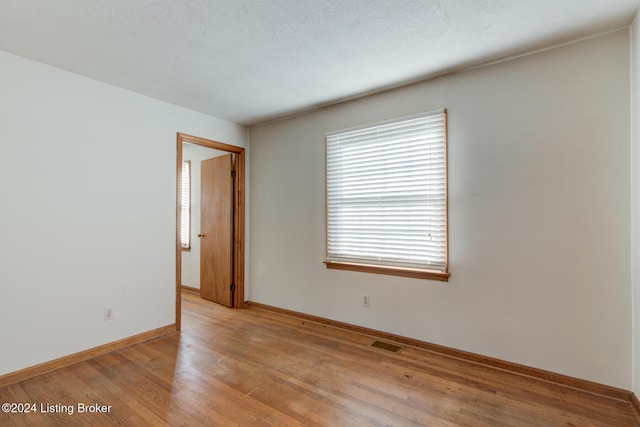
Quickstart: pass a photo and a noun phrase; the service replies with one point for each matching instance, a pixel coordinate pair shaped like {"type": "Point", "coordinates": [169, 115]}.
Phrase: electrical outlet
{"type": "Point", "coordinates": [108, 313]}
{"type": "Point", "coordinates": [365, 300]}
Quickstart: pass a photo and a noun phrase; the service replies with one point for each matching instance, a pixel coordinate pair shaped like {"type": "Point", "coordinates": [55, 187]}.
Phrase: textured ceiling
{"type": "Point", "coordinates": [253, 60]}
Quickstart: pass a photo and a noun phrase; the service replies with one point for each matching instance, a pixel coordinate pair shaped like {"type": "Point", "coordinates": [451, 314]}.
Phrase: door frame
{"type": "Point", "coordinates": [238, 214]}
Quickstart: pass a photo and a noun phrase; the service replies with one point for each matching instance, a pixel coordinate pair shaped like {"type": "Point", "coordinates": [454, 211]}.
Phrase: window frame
{"type": "Point", "coordinates": [418, 273]}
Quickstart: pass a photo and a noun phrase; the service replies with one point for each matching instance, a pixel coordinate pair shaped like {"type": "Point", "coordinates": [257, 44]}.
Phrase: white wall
{"type": "Point", "coordinates": [191, 259]}
{"type": "Point", "coordinates": [635, 196]}
{"type": "Point", "coordinates": [87, 183]}
{"type": "Point", "coordinates": [539, 214]}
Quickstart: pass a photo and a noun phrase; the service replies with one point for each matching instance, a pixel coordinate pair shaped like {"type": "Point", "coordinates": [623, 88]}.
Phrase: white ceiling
{"type": "Point", "coordinates": [249, 61]}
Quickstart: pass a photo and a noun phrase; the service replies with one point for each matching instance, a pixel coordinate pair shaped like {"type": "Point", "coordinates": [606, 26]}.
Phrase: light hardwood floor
{"type": "Point", "coordinates": [252, 367]}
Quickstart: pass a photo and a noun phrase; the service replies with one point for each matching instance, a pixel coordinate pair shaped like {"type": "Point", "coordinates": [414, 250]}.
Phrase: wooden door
{"type": "Point", "coordinates": [216, 230]}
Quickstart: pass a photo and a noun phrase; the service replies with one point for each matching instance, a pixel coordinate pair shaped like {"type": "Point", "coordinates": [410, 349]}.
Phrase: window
{"type": "Point", "coordinates": [387, 197]}
{"type": "Point", "coordinates": [185, 206]}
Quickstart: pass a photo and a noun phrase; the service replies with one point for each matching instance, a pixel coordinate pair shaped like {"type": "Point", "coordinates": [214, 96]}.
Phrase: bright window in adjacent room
{"type": "Point", "coordinates": [185, 206]}
{"type": "Point", "coordinates": [387, 197]}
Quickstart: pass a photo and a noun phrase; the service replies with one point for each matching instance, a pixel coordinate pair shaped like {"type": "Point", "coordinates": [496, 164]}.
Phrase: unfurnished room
{"type": "Point", "coordinates": [320, 213]}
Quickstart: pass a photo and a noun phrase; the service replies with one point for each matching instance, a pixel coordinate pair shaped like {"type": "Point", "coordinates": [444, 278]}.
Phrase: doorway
{"type": "Point", "coordinates": [236, 269]}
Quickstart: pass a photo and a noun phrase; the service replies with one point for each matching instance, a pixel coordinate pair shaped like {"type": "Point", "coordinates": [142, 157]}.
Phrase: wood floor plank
{"type": "Point", "coordinates": [256, 368]}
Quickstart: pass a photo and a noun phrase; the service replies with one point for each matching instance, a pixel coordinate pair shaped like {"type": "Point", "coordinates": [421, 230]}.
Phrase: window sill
{"type": "Point", "coordinates": [186, 249]}
{"type": "Point", "coordinates": [392, 271]}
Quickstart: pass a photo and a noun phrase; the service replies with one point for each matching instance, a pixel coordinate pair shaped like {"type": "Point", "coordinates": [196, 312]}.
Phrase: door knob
{"type": "Point", "coordinates": [201, 235]}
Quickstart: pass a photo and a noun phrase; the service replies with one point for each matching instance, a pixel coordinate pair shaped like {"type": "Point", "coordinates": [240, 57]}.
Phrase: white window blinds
{"type": "Point", "coordinates": [185, 205]}
{"type": "Point", "coordinates": [387, 194]}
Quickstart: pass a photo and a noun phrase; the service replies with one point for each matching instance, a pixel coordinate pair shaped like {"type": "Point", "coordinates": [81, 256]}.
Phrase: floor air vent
{"type": "Point", "coordinates": [386, 346]}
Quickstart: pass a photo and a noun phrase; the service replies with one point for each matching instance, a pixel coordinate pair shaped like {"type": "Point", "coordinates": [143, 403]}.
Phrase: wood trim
{"type": "Point", "coordinates": [446, 193]}
{"type": "Point", "coordinates": [635, 406]}
{"type": "Point", "coordinates": [515, 368]}
{"type": "Point", "coordinates": [178, 232]}
{"type": "Point", "coordinates": [190, 289]}
{"type": "Point", "coordinates": [183, 137]}
{"type": "Point", "coordinates": [239, 217]}
{"type": "Point", "coordinates": [72, 359]}
{"type": "Point", "coordinates": [326, 198]}
{"type": "Point", "coordinates": [239, 230]}
{"type": "Point", "coordinates": [388, 270]}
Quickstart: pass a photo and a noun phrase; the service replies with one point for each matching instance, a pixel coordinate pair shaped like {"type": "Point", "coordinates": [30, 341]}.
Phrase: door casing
{"type": "Point", "coordinates": [239, 217]}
